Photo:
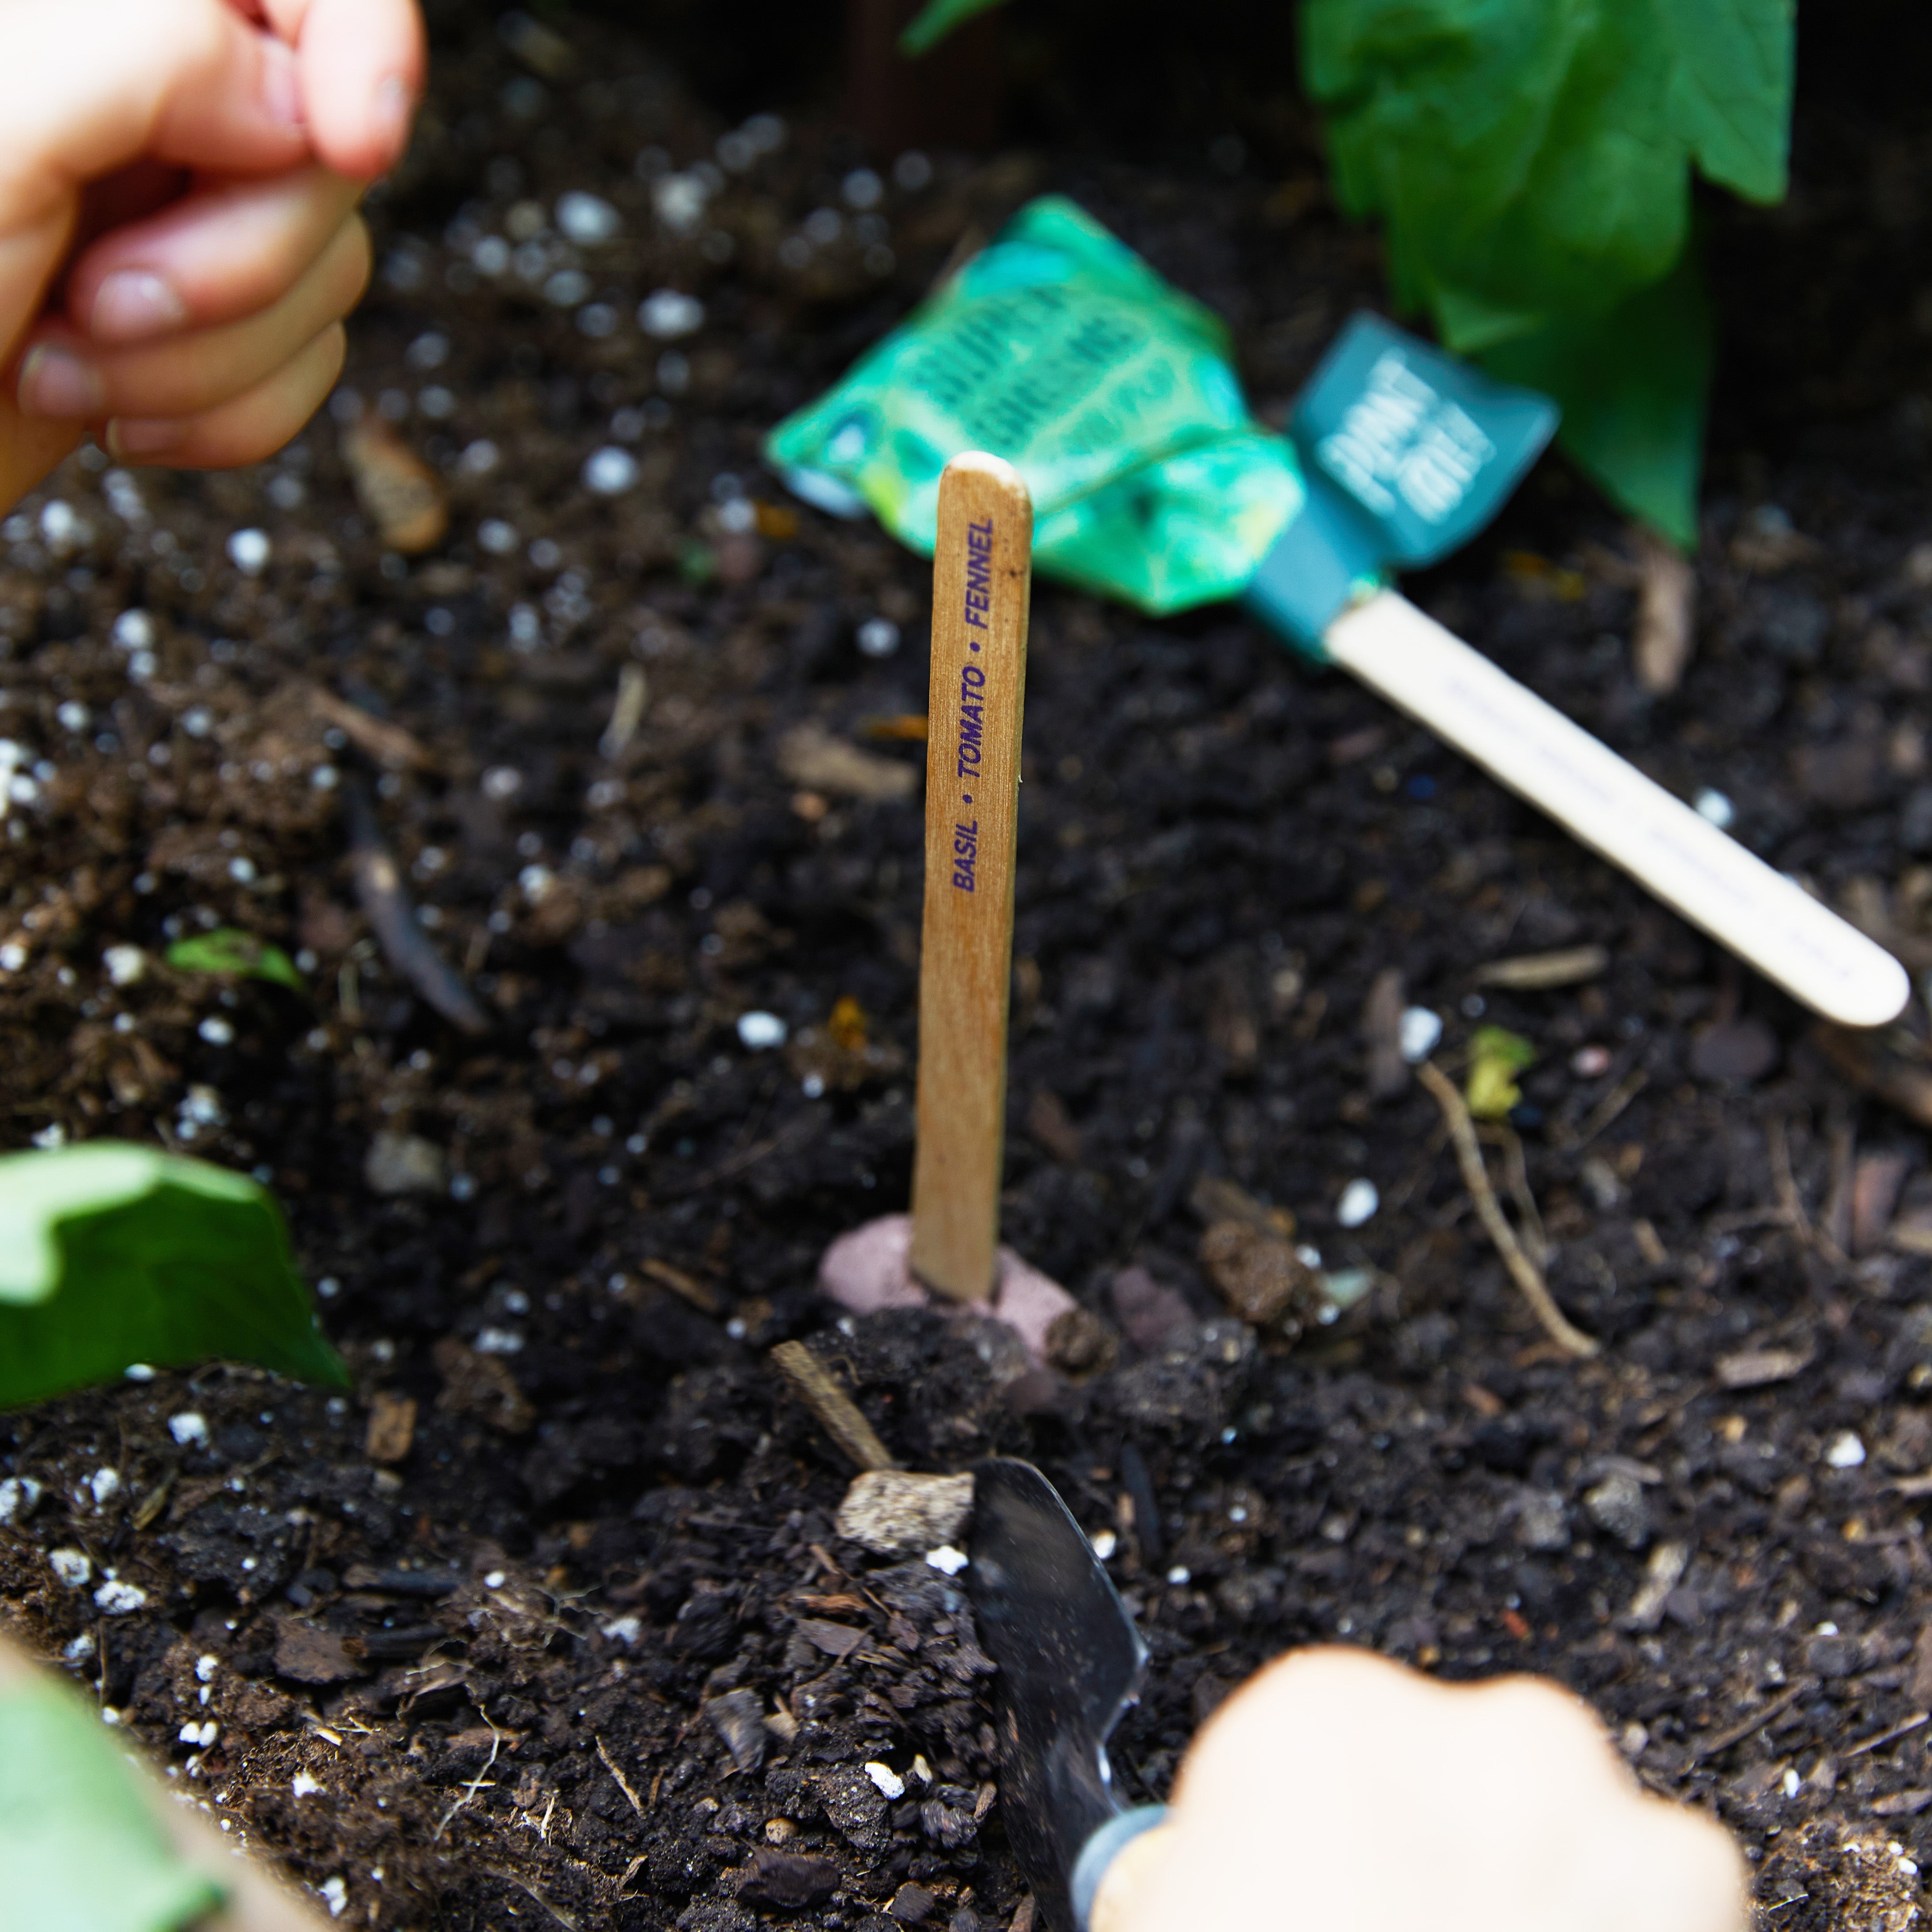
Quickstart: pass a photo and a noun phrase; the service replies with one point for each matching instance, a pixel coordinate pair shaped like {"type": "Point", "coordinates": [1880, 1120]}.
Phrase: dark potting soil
{"type": "Point", "coordinates": [549, 1621]}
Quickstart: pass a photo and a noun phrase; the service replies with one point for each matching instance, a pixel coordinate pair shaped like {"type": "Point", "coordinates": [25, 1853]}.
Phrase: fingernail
{"type": "Point", "coordinates": [131, 439]}
{"type": "Point", "coordinates": [54, 383]}
{"type": "Point", "coordinates": [389, 113]}
{"type": "Point", "coordinates": [281, 85]}
{"type": "Point", "coordinates": [132, 304]}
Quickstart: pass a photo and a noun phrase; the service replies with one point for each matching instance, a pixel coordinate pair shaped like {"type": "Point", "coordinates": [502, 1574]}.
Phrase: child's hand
{"type": "Point", "coordinates": [1337, 1790]}
{"type": "Point", "coordinates": [178, 238]}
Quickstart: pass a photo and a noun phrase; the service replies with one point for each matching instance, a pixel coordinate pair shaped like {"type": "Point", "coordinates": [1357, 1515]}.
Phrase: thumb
{"type": "Point", "coordinates": [89, 86]}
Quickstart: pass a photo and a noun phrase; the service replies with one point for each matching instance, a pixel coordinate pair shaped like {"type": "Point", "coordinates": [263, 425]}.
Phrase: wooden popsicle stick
{"type": "Point", "coordinates": [1765, 918]}
{"type": "Point", "coordinates": [981, 584]}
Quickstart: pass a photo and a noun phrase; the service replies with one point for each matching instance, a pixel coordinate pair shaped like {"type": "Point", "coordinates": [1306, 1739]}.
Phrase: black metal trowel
{"type": "Point", "coordinates": [1070, 1662]}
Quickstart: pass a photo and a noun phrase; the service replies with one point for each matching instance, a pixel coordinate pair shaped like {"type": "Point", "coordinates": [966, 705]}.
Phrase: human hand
{"type": "Point", "coordinates": [178, 238]}
{"type": "Point", "coordinates": [1338, 1790]}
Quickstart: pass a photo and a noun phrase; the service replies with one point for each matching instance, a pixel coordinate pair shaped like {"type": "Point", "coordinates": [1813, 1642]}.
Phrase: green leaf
{"type": "Point", "coordinates": [1632, 385]}
{"type": "Point", "coordinates": [1732, 91]}
{"type": "Point", "coordinates": [229, 950]}
{"type": "Point", "coordinates": [1532, 159]}
{"type": "Point", "coordinates": [936, 19]}
{"type": "Point", "coordinates": [78, 1844]}
{"type": "Point", "coordinates": [1496, 1057]}
{"type": "Point", "coordinates": [112, 1254]}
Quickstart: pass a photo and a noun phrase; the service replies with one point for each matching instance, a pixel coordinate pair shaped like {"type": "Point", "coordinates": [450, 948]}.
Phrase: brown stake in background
{"type": "Point", "coordinates": [982, 581]}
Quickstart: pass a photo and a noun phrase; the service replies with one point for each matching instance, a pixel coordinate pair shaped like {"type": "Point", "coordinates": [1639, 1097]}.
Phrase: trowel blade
{"type": "Point", "coordinates": [1070, 1662]}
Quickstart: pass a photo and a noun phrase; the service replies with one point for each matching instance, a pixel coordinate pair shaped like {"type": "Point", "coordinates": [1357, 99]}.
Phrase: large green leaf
{"type": "Point", "coordinates": [1532, 159]}
{"type": "Point", "coordinates": [78, 1847]}
{"type": "Point", "coordinates": [1537, 153]}
{"type": "Point", "coordinates": [937, 18]}
{"type": "Point", "coordinates": [1632, 385]}
{"type": "Point", "coordinates": [1733, 84]}
{"type": "Point", "coordinates": [112, 1254]}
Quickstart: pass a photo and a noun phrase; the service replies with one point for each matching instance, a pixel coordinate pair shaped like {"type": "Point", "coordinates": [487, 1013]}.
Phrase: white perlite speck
{"type": "Point", "coordinates": [117, 1599]}
{"type": "Point", "coordinates": [104, 1484]}
{"type": "Point", "coordinates": [1713, 806]}
{"type": "Point", "coordinates": [1844, 1451]}
{"type": "Point", "coordinates": [668, 314]}
{"type": "Point", "coordinates": [303, 1786]}
{"type": "Point", "coordinates": [1358, 1203]}
{"type": "Point", "coordinates": [1419, 1030]}
{"type": "Point", "coordinates": [125, 963]}
{"type": "Point", "coordinates": [948, 1560]}
{"type": "Point", "coordinates": [249, 551]}
{"type": "Point", "coordinates": [200, 1735]}
{"type": "Point", "coordinates": [18, 1496]}
{"type": "Point", "coordinates": [609, 471]}
{"type": "Point", "coordinates": [587, 219]}
{"type": "Point", "coordinates": [890, 1784]}
{"type": "Point", "coordinates": [335, 1896]}
{"type": "Point", "coordinates": [189, 1428]}
{"type": "Point", "coordinates": [759, 1030]}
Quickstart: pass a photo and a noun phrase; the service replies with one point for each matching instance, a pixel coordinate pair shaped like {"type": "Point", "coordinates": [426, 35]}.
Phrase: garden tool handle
{"type": "Point", "coordinates": [1103, 1875]}
{"type": "Point", "coordinates": [1606, 803]}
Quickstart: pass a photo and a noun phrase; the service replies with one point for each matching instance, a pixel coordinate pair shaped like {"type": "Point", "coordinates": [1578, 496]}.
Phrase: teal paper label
{"type": "Point", "coordinates": [1426, 449]}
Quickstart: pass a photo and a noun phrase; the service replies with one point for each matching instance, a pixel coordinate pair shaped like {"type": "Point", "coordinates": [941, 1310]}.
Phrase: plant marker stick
{"type": "Point", "coordinates": [982, 583]}
{"type": "Point", "coordinates": [1608, 804]}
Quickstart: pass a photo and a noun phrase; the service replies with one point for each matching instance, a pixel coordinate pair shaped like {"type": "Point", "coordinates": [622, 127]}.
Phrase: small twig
{"type": "Point", "coordinates": [556, 1912]}
{"type": "Point", "coordinates": [1782, 1178]}
{"type": "Point", "coordinates": [623, 1783]}
{"type": "Point", "coordinates": [1756, 1721]}
{"type": "Point", "coordinates": [838, 1414]}
{"type": "Point", "coordinates": [687, 1287]}
{"type": "Point", "coordinates": [1916, 1721]}
{"type": "Point", "coordinates": [392, 915]}
{"type": "Point", "coordinates": [627, 713]}
{"type": "Point", "coordinates": [1837, 1228]}
{"type": "Point", "coordinates": [1515, 1172]}
{"type": "Point", "coordinates": [1819, 1240]}
{"type": "Point", "coordinates": [388, 744]}
{"type": "Point", "coordinates": [476, 1783]}
{"type": "Point", "coordinates": [1609, 1108]}
{"type": "Point", "coordinates": [733, 1164]}
{"type": "Point", "coordinates": [1523, 1271]}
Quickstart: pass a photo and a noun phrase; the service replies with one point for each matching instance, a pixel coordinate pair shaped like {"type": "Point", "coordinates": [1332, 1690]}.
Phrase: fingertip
{"type": "Point", "coordinates": [362, 65]}
{"type": "Point", "coordinates": [365, 143]}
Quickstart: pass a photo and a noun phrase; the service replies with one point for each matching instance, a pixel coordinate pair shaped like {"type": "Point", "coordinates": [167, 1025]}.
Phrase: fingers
{"type": "Point", "coordinates": [88, 86]}
{"type": "Point", "coordinates": [1336, 1787]}
{"type": "Point", "coordinates": [362, 64]}
{"type": "Point", "coordinates": [247, 428]}
{"type": "Point", "coordinates": [187, 375]}
{"type": "Point", "coordinates": [223, 252]}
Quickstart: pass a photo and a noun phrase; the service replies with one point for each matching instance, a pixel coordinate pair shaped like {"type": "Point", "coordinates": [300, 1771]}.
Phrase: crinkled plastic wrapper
{"type": "Point", "coordinates": [1112, 393]}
